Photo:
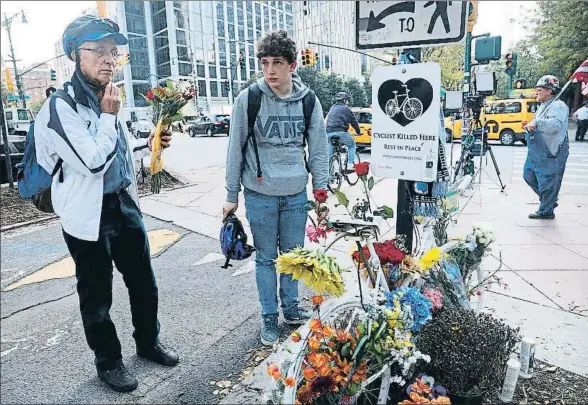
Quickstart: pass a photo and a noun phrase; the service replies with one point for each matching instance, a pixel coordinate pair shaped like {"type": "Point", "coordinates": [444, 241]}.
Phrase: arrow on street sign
{"type": "Point", "coordinates": [374, 22]}
{"type": "Point", "coordinates": [409, 24]}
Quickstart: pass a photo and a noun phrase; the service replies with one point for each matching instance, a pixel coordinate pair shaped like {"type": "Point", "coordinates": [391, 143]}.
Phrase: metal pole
{"type": "Point", "coordinates": [6, 148]}
{"type": "Point", "coordinates": [466, 63]}
{"type": "Point", "coordinates": [7, 24]}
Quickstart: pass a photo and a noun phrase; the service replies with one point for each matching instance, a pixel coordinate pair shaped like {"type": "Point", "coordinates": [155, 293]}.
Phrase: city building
{"type": "Point", "coordinates": [330, 23]}
{"type": "Point", "coordinates": [209, 44]}
{"type": "Point", "coordinates": [34, 82]}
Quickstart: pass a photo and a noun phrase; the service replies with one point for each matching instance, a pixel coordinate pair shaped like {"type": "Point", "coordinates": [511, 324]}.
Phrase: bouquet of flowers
{"type": "Point", "coordinates": [166, 102]}
{"type": "Point", "coordinates": [318, 271]}
{"type": "Point", "coordinates": [317, 231]}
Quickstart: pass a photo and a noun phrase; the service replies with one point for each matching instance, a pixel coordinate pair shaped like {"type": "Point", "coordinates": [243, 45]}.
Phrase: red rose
{"type": "Point", "coordinates": [362, 169]}
{"type": "Point", "coordinates": [321, 195]}
{"type": "Point", "coordinates": [149, 95]}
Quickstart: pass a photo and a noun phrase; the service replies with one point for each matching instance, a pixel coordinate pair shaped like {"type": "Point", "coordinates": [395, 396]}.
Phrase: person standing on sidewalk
{"type": "Point", "coordinates": [547, 147]}
{"type": "Point", "coordinates": [581, 116]}
{"type": "Point", "coordinates": [338, 121]}
{"type": "Point", "coordinates": [96, 198]}
{"type": "Point", "coordinates": [270, 163]}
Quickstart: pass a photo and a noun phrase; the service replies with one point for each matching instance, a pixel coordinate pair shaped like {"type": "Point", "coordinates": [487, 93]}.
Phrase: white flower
{"type": "Point", "coordinates": [478, 233]}
{"type": "Point", "coordinates": [483, 241]}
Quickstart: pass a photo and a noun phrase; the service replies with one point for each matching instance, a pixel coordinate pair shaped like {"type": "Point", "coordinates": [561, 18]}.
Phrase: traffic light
{"type": "Point", "coordinates": [125, 59]}
{"type": "Point", "coordinates": [316, 58]}
{"type": "Point", "coordinates": [307, 57]}
{"type": "Point", "coordinates": [520, 84]}
{"type": "Point", "coordinates": [511, 64]}
{"type": "Point", "coordinates": [9, 82]}
{"type": "Point", "coordinates": [53, 78]}
{"type": "Point", "coordinates": [472, 15]}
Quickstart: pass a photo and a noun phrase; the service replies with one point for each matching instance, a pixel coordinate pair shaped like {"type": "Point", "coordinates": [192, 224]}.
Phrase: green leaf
{"type": "Point", "coordinates": [342, 198]}
{"type": "Point", "coordinates": [169, 84]}
{"type": "Point", "coordinates": [359, 346]}
{"type": "Point", "coordinates": [310, 205]}
{"type": "Point", "coordinates": [380, 330]}
{"type": "Point", "coordinates": [386, 212]}
{"type": "Point", "coordinates": [371, 183]}
{"type": "Point", "coordinates": [346, 350]}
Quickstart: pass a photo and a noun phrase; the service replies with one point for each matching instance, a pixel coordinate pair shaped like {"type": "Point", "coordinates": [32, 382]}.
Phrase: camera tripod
{"type": "Point", "coordinates": [469, 150]}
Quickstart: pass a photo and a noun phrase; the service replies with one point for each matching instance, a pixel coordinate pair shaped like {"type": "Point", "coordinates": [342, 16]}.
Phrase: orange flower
{"type": "Point", "coordinates": [309, 373]}
{"type": "Point", "coordinates": [272, 369]}
{"type": "Point", "coordinates": [324, 370]}
{"type": "Point", "coordinates": [296, 336]}
{"type": "Point", "coordinates": [297, 402]}
{"type": "Point", "coordinates": [314, 344]}
{"type": "Point", "coordinates": [317, 335]}
{"type": "Point", "coordinates": [317, 299]}
{"type": "Point", "coordinates": [277, 375]}
{"type": "Point", "coordinates": [290, 382]}
{"type": "Point", "coordinates": [318, 359]}
{"type": "Point", "coordinates": [315, 325]}
{"type": "Point", "coordinates": [328, 331]}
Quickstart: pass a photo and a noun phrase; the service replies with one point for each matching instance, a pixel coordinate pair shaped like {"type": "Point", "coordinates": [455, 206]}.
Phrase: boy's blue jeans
{"type": "Point", "coordinates": [278, 225]}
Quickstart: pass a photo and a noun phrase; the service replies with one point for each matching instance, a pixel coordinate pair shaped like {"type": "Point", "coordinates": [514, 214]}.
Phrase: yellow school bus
{"type": "Point", "coordinates": [364, 118]}
{"type": "Point", "coordinates": [503, 118]}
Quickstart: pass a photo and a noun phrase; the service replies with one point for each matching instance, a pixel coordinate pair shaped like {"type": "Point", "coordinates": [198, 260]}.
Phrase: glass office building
{"type": "Point", "coordinates": [197, 41]}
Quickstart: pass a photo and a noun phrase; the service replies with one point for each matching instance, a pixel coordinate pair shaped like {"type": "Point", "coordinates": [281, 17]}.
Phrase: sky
{"type": "Point", "coordinates": [34, 42]}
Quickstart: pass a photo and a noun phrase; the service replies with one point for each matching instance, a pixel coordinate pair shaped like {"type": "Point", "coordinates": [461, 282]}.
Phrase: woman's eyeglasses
{"type": "Point", "coordinates": [101, 52]}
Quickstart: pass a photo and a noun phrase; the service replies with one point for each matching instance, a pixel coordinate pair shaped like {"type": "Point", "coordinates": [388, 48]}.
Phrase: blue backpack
{"type": "Point", "coordinates": [34, 183]}
{"type": "Point", "coordinates": [233, 241]}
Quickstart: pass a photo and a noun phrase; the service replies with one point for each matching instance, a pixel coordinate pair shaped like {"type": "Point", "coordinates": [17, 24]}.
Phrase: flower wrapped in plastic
{"type": "Point", "coordinates": [166, 102]}
{"type": "Point", "coordinates": [420, 307]}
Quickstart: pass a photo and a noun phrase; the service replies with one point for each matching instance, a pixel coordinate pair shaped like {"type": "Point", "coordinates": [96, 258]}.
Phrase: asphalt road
{"type": "Point", "coordinates": [210, 317]}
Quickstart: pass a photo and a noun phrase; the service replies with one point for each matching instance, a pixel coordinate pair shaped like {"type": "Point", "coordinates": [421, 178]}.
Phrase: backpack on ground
{"type": "Point", "coordinates": [253, 106]}
{"type": "Point", "coordinates": [34, 182]}
{"type": "Point", "coordinates": [233, 241]}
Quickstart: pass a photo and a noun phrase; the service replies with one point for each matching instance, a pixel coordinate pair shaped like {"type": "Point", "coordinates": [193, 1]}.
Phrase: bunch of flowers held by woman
{"type": "Point", "coordinates": [317, 231]}
{"type": "Point", "coordinates": [166, 102]}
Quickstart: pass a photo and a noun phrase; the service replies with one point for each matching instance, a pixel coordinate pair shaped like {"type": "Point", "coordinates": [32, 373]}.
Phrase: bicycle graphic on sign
{"type": "Point", "coordinates": [411, 107]}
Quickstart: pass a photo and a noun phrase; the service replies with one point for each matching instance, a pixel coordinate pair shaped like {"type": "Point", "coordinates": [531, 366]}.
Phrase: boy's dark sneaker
{"type": "Point", "coordinates": [270, 333]}
{"type": "Point", "coordinates": [119, 379]}
{"type": "Point", "coordinates": [297, 317]}
{"type": "Point", "coordinates": [159, 354]}
{"type": "Point", "coordinates": [540, 216]}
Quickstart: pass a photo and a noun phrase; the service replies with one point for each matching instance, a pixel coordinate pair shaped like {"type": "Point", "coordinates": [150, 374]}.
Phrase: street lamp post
{"type": "Point", "coordinates": [7, 23]}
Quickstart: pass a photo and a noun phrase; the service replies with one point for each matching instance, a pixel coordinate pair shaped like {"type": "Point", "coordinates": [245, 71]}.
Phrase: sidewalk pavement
{"type": "Point", "coordinates": [545, 263]}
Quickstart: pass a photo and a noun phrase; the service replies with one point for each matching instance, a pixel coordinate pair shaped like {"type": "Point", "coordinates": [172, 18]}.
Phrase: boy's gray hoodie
{"type": "Point", "coordinates": [279, 133]}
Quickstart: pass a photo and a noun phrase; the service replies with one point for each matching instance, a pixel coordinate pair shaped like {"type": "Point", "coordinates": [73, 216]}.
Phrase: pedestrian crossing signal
{"type": "Point", "coordinates": [53, 78]}
{"type": "Point", "coordinates": [520, 84]}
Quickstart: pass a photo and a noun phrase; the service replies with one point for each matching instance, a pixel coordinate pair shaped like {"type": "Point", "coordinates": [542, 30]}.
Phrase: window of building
{"type": "Point", "coordinates": [181, 38]}
{"type": "Point", "coordinates": [220, 11]}
{"type": "Point", "coordinates": [159, 20]}
{"type": "Point", "coordinates": [198, 40]}
{"type": "Point", "coordinates": [185, 69]}
{"type": "Point", "coordinates": [208, 25]}
{"type": "Point", "coordinates": [200, 70]}
{"type": "Point", "coordinates": [212, 70]}
{"type": "Point", "coordinates": [231, 31]}
{"type": "Point", "coordinates": [180, 18]}
{"type": "Point", "coordinates": [252, 64]}
{"type": "Point", "coordinates": [241, 34]}
{"type": "Point", "coordinates": [230, 12]}
{"type": "Point", "coordinates": [163, 70]}
{"type": "Point", "coordinates": [258, 34]}
{"type": "Point", "coordinates": [220, 29]}
{"type": "Point", "coordinates": [183, 55]}
{"type": "Point", "coordinates": [136, 24]}
{"type": "Point", "coordinates": [207, 8]}
{"type": "Point", "coordinates": [201, 88]}
{"type": "Point", "coordinates": [156, 6]}
{"type": "Point", "coordinates": [140, 89]}
{"type": "Point", "coordinates": [213, 89]}
{"type": "Point", "coordinates": [225, 89]}
{"type": "Point", "coordinates": [240, 16]}
{"type": "Point", "coordinates": [223, 73]}
{"type": "Point", "coordinates": [162, 55]}
{"type": "Point", "coordinates": [266, 23]}
{"type": "Point", "coordinates": [134, 7]}
{"type": "Point", "coordinates": [161, 40]}
{"type": "Point", "coordinates": [273, 19]}
{"type": "Point", "coordinates": [249, 6]}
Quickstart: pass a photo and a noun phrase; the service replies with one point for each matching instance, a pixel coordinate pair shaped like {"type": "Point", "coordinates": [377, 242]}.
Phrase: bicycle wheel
{"type": "Point", "coordinates": [352, 177]}
{"type": "Point", "coordinates": [335, 173]}
{"type": "Point", "coordinates": [343, 314]}
{"type": "Point", "coordinates": [413, 108]}
{"type": "Point", "coordinates": [391, 108]}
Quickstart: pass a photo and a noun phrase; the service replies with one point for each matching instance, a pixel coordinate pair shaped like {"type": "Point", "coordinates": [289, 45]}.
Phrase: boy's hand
{"type": "Point", "coordinates": [229, 208]}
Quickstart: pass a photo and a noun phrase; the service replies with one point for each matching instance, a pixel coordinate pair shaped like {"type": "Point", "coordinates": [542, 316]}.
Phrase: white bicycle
{"type": "Point", "coordinates": [346, 313]}
{"type": "Point", "coordinates": [411, 107]}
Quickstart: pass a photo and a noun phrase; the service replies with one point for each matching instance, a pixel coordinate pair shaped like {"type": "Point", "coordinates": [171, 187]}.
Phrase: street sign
{"type": "Point", "coordinates": [14, 97]}
{"type": "Point", "coordinates": [405, 121]}
{"type": "Point", "coordinates": [409, 24]}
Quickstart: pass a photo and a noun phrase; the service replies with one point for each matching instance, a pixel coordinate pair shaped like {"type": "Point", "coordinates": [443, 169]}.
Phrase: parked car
{"type": "Point", "coordinates": [210, 125]}
{"type": "Point", "coordinates": [364, 118]}
{"type": "Point", "coordinates": [142, 128]}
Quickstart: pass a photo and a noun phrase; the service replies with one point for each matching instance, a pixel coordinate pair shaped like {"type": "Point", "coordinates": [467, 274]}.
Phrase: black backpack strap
{"type": "Point", "coordinates": [308, 103]}
{"type": "Point", "coordinates": [253, 106]}
{"type": "Point", "coordinates": [64, 95]}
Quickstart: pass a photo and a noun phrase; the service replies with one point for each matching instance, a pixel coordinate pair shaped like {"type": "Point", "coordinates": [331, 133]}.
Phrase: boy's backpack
{"type": "Point", "coordinates": [233, 241]}
{"type": "Point", "coordinates": [34, 183]}
{"type": "Point", "coordinates": [253, 106]}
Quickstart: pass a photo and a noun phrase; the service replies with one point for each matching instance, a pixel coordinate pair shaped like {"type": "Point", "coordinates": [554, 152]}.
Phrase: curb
{"type": "Point", "coordinates": [27, 223]}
